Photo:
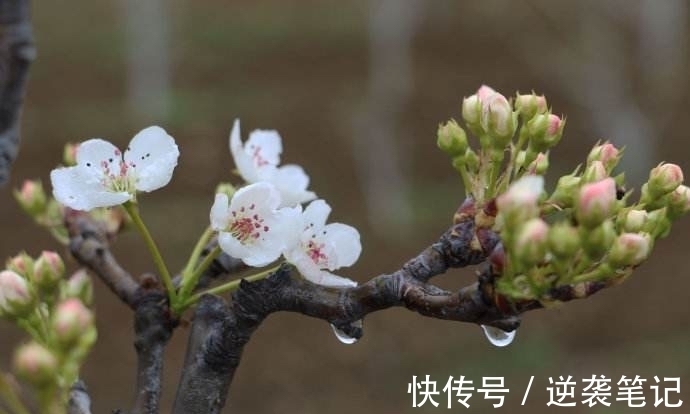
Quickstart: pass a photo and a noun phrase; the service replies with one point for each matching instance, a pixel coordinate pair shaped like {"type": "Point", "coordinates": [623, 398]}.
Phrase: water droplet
{"type": "Point", "coordinates": [345, 338]}
{"type": "Point", "coordinates": [498, 337]}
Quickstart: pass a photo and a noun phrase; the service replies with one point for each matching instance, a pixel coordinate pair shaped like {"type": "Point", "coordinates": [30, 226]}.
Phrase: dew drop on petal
{"type": "Point", "coordinates": [498, 337]}
{"type": "Point", "coordinates": [345, 338]}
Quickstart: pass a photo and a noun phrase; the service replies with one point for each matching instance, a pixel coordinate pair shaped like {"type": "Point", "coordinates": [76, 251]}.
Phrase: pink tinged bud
{"type": "Point", "coordinates": [69, 155]}
{"type": "Point", "coordinates": [520, 202]}
{"type": "Point", "coordinates": [630, 249]}
{"type": "Point", "coordinates": [484, 92]}
{"type": "Point", "coordinates": [635, 220]}
{"type": "Point", "coordinates": [15, 296]}
{"type": "Point", "coordinates": [31, 197]}
{"type": "Point", "coordinates": [664, 179]}
{"type": "Point", "coordinates": [596, 202]}
{"type": "Point", "coordinates": [497, 119]}
{"type": "Point", "coordinates": [70, 320]}
{"type": "Point", "coordinates": [531, 242]}
{"type": "Point", "coordinates": [539, 165]}
{"type": "Point", "coordinates": [36, 364]}
{"type": "Point", "coordinates": [530, 105]}
{"type": "Point", "coordinates": [48, 270]}
{"type": "Point", "coordinates": [607, 154]}
{"type": "Point", "coordinates": [545, 131]}
{"type": "Point", "coordinates": [21, 264]}
{"type": "Point", "coordinates": [678, 202]}
{"type": "Point", "coordinates": [594, 172]}
{"type": "Point", "coordinates": [452, 139]}
{"type": "Point", "coordinates": [79, 286]}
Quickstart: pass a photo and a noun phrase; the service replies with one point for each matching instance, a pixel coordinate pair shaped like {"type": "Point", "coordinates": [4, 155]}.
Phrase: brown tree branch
{"type": "Point", "coordinates": [79, 400]}
{"type": "Point", "coordinates": [16, 54]}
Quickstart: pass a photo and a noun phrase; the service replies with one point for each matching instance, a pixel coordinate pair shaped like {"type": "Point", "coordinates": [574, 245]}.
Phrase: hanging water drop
{"type": "Point", "coordinates": [498, 337]}
{"type": "Point", "coordinates": [345, 338]}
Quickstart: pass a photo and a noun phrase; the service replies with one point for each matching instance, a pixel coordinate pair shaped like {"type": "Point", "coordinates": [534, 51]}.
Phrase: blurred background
{"type": "Point", "coordinates": [357, 90]}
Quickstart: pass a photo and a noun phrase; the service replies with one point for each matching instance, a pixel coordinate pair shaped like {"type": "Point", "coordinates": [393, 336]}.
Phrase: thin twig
{"type": "Point", "coordinates": [79, 400]}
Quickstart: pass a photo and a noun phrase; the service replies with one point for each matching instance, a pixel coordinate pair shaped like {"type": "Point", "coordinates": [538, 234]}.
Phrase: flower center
{"type": "Point", "coordinates": [315, 252]}
{"type": "Point", "coordinates": [116, 174]}
{"type": "Point", "coordinates": [245, 226]}
{"type": "Point", "coordinates": [258, 158]}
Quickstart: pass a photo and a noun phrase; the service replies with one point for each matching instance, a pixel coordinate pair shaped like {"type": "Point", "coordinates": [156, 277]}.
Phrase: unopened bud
{"type": "Point", "coordinates": [21, 264]}
{"type": "Point", "coordinates": [79, 286]}
{"type": "Point", "coordinates": [70, 320]}
{"type": "Point", "coordinates": [227, 189]}
{"type": "Point", "coordinates": [566, 191]}
{"type": "Point", "coordinates": [498, 120]}
{"type": "Point", "coordinates": [597, 241]}
{"type": "Point", "coordinates": [48, 270]}
{"type": "Point", "coordinates": [630, 249]}
{"type": "Point", "coordinates": [16, 298]}
{"type": "Point", "coordinates": [471, 160]}
{"type": "Point", "coordinates": [69, 154]}
{"type": "Point", "coordinates": [520, 202]}
{"type": "Point", "coordinates": [545, 131]}
{"type": "Point", "coordinates": [607, 154]}
{"type": "Point", "coordinates": [531, 242]}
{"type": "Point", "coordinates": [113, 219]}
{"type": "Point", "coordinates": [594, 172]}
{"type": "Point", "coordinates": [634, 221]}
{"type": "Point", "coordinates": [530, 105]}
{"type": "Point", "coordinates": [678, 202]}
{"type": "Point", "coordinates": [658, 225]}
{"type": "Point", "coordinates": [539, 165]}
{"type": "Point", "coordinates": [31, 197]}
{"type": "Point", "coordinates": [452, 139]}
{"type": "Point", "coordinates": [471, 112]}
{"type": "Point", "coordinates": [564, 241]}
{"type": "Point", "coordinates": [664, 179]}
{"type": "Point", "coordinates": [36, 364]}
{"type": "Point", "coordinates": [596, 202]}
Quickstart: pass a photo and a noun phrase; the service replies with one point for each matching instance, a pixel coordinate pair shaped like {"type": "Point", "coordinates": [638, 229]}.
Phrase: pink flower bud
{"type": "Point", "coordinates": [594, 172]}
{"type": "Point", "coordinates": [520, 202]}
{"type": "Point", "coordinates": [679, 202]}
{"type": "Point", "coordinates": [79, 286]}
{"type": "Point", "coordinates": [48, 270]}
{"type": "Point", "coordinates": [69, 154]}
{"type": "Point", "coordinates": [21, 264]}
{"type": "Point", "coordinates": [596, 202]}
{"type": "Point", "coordinates": [607, 154]}
{"type": "Point", "coordinates": [70, 320]}
{"type": "Point", "coordinates": [484, 92]}
{"type": "Point", "coordinates": [630, 249]}
{"type": "Point", "coordinates": [497, 118]}
{"type": "Point", "coordinates": [664, 179]}
{"type": "Point", "coordinates": [530, 105]}
{"type": "Point", "coordinates": [31, 197]}
{"type": "Point", "coordinates": [36, 364]}
{"type": "Point", "coordinates": [539, 165]}
{"type": "Point", "coordinates": [545, 131]}
{"type": "Point", "coordinates": [15, 296]}
{"type": "Point", "coordinates": [531, 241]}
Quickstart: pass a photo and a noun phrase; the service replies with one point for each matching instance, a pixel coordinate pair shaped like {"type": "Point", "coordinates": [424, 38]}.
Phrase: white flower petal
{"type": "Point", "coordinates": [346, 242]}
{"type": "Point", "coordinates": [316, 213]}
{"type": "Point", "coordinates": [232, 246]}
{"type": "Point", "coordinates": [152, 154]}
{"type": "Point", "coordinates": [292, 182]}
{"type": "Point", "coordinates": [243, 161]}
{"type": "Point", "coordinates": [264, 195]}
{"type": "Point", "coordinates": [220, 213]}
{"type": "Point", "coordinates": [264, 146]}
{"type": "Point", "coordinates": [81, 189]}
{"type": "Point", "coordinates": [256, 255]}
{"type": "Point", "coordinates": [100, 157]}
{"type": "Point", "coordinates": [312, 273]}
{"type": "Point", "coordinates": [288, 227]}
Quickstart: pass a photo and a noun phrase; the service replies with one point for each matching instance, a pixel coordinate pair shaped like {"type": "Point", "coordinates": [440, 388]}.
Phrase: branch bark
{"type": "Point", "coordinates": [17, 51]}
{"type": "Point", "coordinates": [79, 399]}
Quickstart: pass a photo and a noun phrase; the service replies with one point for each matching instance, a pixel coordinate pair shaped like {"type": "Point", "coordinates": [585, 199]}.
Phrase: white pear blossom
{"type": "Point", "coordinates": [102, 177]}
{"type": "Point", "coordinates": [323, 247]}
{"type": "Point", "coordinates": [251, 226]}
{"type": "Point", "coordinates": [258, 159]}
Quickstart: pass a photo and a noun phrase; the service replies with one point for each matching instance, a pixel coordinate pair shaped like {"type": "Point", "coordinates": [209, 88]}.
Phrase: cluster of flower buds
{"type": "Point", "coordinates": [584, 230]}
{"type": "Point", "coordinates": [522, 129]}
{"type": "Point", "coordinates": [35, 295]}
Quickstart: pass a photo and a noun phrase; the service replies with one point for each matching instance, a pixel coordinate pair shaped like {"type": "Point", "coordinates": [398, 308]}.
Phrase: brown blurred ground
{"type": "Point", "coordinates": [302, 68]}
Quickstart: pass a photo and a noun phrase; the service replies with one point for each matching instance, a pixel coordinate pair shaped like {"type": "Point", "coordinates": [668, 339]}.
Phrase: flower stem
{"type": "Point", "coordinates": [153, 249]}
{"type": "Point", "coordinates": [191, 276]}
{"type": "Point", "coordinates": [232, 285]}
